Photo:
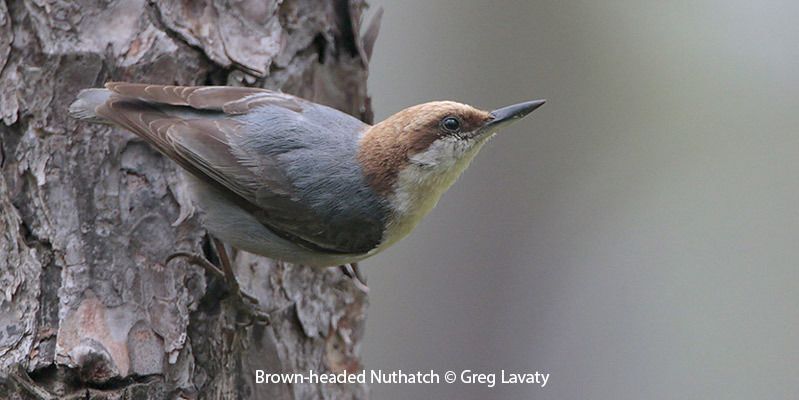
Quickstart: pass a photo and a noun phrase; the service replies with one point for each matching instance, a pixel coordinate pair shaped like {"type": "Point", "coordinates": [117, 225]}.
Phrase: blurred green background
{"type": "Point", "coordinates": [636, 237]}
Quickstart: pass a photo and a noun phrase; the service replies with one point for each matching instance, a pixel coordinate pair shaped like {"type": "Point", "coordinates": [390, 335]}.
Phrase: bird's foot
{"type": "Point", "coordinates": [352, 271]}
{"type": "Point", "coordinates": [249, 310]}
{"type": "Point", "coordinates": [247, 307]}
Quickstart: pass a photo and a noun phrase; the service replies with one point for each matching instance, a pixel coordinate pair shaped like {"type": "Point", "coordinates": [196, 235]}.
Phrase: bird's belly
{"type": "Point", "coordinates": [240, 229]}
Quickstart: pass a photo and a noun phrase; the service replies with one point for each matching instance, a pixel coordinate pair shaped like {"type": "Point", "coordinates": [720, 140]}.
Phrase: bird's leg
{"type": "Point", "coordinates": [245, 303]}
{"type": "Point", "coordinates": [227, 269]}
{"type": "Point", "coordinates": [352, 271]}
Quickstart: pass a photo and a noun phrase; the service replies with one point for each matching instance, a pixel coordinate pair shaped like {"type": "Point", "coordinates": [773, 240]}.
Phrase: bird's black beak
{"type": "Point", "coordinates": [507, 115]}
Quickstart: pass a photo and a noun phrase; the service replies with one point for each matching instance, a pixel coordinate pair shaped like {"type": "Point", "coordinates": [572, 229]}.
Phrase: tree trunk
{"type": "Point", "coordinates": [88, 213]}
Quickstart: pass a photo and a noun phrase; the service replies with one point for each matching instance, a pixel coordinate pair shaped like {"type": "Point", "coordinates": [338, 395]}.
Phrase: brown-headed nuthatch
{"type": "Point", "coordinates": [297, 181]}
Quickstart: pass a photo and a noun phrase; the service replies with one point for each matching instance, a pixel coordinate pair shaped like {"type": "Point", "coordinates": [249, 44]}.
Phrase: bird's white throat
{"type": "Point", "coordinates": [421, 183]}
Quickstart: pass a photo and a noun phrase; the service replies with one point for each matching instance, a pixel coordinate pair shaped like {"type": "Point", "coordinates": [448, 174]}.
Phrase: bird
{"type": "Point", "coordinates": [293, 180]}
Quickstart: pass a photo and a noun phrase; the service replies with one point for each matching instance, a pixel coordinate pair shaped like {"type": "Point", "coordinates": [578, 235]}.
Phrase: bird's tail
{"type": "Point", "coordinates": [85, 105]}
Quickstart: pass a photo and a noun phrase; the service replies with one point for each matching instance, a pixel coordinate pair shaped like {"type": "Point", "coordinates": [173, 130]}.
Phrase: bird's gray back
{"type": "Point", "coordinates": [317, 149]}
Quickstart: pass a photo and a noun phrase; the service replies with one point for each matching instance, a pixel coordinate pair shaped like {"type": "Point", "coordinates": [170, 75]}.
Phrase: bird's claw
{"type": "Point", "coordinates": [196, 259]}
{"type": "Point", "coordinates": [244, 303]}
{"type": "Point", "coordinates": [352, 271]}
{"type": "Point", "coordinates": [250, 309]}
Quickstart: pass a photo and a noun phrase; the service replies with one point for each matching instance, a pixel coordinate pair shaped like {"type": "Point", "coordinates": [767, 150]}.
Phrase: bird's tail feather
{"type": "Point", "coordinates": [85, 106]}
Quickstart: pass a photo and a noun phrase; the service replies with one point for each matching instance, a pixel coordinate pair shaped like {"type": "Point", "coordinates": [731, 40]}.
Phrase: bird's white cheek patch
{"type": "Point", "coordinates": [442, 154]}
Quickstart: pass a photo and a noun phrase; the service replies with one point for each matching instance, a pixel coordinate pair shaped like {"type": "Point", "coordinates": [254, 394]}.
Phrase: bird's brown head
{"type": "Point", "coordinates": [438, 139]}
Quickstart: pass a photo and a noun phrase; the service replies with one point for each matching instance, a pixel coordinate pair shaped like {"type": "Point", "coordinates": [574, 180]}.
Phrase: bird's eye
{"type": "Point", "coordinates": [451, 124]}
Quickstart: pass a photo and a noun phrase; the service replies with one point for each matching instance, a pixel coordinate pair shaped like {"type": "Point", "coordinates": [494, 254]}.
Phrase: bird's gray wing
{"type": "Point", "coordinates": [283, 159]}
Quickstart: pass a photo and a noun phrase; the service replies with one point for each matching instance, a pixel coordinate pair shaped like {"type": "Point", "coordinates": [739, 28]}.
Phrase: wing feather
{"type": "Point", "coordinates": [216, 148]}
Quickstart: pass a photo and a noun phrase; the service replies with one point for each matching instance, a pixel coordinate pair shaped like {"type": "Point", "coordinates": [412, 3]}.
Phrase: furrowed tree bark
{"type": "Point", "coordinates": [88, 213]}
